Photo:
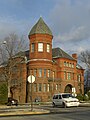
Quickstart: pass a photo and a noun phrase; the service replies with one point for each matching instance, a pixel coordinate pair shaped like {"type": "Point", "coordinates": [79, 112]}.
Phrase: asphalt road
{"type": "Point", "coordinates": [76, 113]}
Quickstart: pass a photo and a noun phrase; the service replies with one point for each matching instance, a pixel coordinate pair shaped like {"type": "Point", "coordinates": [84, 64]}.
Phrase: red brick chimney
{"type": "Point", "coordinates": [75, 56]}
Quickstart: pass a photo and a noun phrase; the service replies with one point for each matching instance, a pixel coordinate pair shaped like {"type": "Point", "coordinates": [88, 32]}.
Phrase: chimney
{"type": "Point", "coordinates": [75, 56]}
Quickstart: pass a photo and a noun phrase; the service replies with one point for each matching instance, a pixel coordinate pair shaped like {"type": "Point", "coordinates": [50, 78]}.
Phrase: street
{"type": "Point", "coordinates": [74, 113]}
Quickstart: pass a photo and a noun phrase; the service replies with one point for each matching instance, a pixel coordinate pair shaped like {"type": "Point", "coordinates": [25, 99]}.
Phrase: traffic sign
{"type": "Point", "coordinates": [31, 79]}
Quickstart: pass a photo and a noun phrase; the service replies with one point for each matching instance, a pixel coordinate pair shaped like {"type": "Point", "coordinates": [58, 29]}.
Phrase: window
{"type": "Point", "coordinates": [67, 64]}
{"type": "Point", "coordinates": [40, 72]}
{"type": "Point", "coordinates": [44, 73]}
{"type": "Point", "coordinates": [69, 76]}
{"type": "Point", "coordinates": [73, 65]}
{"type": "Point", "coordinates": [44, 87]}
{"type": "Point", "coordinates": [64, 75]}
{"type": "Point", "coordinates": [70, 65]}
{"type": "Point", "coordinates": [79, 78]}
{"type": "Point", "coordinates": [56, 86]}
{"type": "Point", "coordinates": [48, 73]}
{"type": "Point", "coordinates": [40, 47]}
{"type": "Point", "coordinates": [48, 47]}
{"type": "Point", "coordinates": [48, 88]}
{"type": "Point", "coordinates": [64, 63]}
{"type": "Point", "coordinates": [39, 87]}
{"type": "Point", "coordinates": [53, 74]}
{"type": "Point", "coordinates": [32, 47]}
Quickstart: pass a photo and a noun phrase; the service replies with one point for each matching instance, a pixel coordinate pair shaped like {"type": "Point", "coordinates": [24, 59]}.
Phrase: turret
{"type": "Point", "coordinates": [40, 38]}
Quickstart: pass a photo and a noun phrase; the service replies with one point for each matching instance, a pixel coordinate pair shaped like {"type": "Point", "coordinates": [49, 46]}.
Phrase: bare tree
{"type": "Point", "coordinates": [85, 58]}
{"type": "Point", "coordinates": [12, 45]}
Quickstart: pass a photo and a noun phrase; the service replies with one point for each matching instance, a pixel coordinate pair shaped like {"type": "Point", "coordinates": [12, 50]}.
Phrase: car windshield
{"type": "Point", "coordinates": [67, 95]}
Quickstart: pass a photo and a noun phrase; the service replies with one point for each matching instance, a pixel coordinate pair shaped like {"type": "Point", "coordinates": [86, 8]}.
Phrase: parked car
{"type": "Point", "coordinates": [12, 101]}
{"type": "Point", "coordinates": [64, 100]}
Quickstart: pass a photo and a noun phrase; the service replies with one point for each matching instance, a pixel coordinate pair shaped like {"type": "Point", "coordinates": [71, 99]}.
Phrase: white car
{"type": "Point", "coordinates": [64, 100]}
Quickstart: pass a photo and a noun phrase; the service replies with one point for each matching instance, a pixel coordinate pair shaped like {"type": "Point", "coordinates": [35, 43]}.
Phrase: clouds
{"type": "Point", "coordinates": [7, 25]}
{"type": "Point", "coordinates": [71, 22]}
{"type": "Point", "coordinates": [74, 35]}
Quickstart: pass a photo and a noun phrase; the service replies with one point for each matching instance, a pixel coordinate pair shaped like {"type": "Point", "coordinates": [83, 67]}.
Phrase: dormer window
{"type": "Point", "coordinates": [40, 47]}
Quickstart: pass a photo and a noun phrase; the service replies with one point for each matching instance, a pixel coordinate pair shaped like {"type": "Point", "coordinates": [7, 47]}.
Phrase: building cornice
{"type": "Point", "coordinates": [41, 60]}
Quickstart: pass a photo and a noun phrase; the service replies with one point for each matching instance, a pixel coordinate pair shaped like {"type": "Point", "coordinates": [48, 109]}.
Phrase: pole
{"type": "Point", "coordinates": [31, 79]}
{"type": "Point", "coordinates": [31, 95]}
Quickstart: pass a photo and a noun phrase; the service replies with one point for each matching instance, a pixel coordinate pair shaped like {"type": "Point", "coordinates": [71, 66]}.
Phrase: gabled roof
{"type": "Point", "coordinates": [59, 53]}
{"type": "Point", "coordinates": [40, 27]}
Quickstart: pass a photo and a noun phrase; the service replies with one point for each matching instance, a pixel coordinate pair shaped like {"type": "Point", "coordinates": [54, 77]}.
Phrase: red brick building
{"type": "Point", "coordinates": [54, 70]}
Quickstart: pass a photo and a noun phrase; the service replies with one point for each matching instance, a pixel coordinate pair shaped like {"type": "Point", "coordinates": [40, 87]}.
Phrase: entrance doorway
{"type": "Point", "coordinates": [68, 89]}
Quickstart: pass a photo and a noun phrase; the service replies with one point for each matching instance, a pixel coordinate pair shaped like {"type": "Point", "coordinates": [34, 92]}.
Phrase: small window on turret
{"type": "Point", "coordinates": [48, 47]}
{"type": "Point", "coordinates": [40, 47]}
{"type": "Point", "coordinates": [32, 47]}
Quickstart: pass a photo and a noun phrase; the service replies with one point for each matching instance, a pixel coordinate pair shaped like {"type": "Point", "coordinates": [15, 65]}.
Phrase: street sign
{"type": "Point", "coordinates": [31, 79]}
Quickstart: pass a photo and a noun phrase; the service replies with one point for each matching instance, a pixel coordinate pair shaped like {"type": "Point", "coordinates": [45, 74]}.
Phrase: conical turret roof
{"type": "Point", "coordinates": [40, 28]}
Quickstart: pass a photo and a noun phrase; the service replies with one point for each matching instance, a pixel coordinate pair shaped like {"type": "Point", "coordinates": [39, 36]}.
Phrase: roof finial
{"type": "Point", "coordinates": [40, 16]}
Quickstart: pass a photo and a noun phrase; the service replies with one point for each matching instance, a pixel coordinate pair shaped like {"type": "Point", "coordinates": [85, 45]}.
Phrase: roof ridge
{"type": "Point", "coordinates": [61, 53]}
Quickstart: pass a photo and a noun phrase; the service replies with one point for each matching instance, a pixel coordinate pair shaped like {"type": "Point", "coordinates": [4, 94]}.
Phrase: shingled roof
{"type": "Point", "coordinates": [40, 27]}
{"type": "Point", "coordinates": [59, 53]}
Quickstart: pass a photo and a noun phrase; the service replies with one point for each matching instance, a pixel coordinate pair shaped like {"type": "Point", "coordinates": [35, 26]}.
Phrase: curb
{"type": "Point", "coordinates": [84, 105]}
{"type": "Point", "coordinates": [21, 113]}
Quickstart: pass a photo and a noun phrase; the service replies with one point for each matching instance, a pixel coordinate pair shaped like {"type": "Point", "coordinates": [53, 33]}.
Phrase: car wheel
{"type": "Point", "coordinates": [9, 104]}
{"type": "Point", "coordinates": [53, 104]}
{"type": "Point", "coordinates": [16, 104]}
{"type": "Point", "coordinates": [64, 105]}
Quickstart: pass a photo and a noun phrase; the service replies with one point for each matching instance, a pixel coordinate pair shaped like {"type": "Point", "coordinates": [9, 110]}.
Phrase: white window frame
{"type": "Point", "coordinates": [40, 47]}
{"type": "Point", "coordinates": [48, 48]}
{"type": "Point", "coordinates": [40, 72]}
{"type": "Point", "coordinates": [56, 86]}
{"type": "Point", "coordinates": [44, 87]}
{"type": "Point", "coordinates": [48, 87]}
{"type": "Point", "coordinates": [48, 74]}
{"type": "Point", "coordinates": [53, 74]}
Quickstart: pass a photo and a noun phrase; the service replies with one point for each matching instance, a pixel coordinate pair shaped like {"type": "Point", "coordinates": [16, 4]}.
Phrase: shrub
{"type": "Point", "coordinates": [3, 93]}
{"type": "Point", "coordinates": [88, 93]}
{"type": "Point", "coordinates": [80, 97]}
{"type": "Point", "coordinates": [86, 98]}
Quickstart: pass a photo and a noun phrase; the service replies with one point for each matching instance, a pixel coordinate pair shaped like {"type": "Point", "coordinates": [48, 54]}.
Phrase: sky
{"type": "Point", "coordinates": [69, 21]}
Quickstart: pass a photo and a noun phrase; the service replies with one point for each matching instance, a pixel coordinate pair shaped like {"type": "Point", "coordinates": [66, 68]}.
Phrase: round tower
{"type": "Point", "coordinates": [40, 38]}
{"type": "Point", "coordinates": [40, 64]}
